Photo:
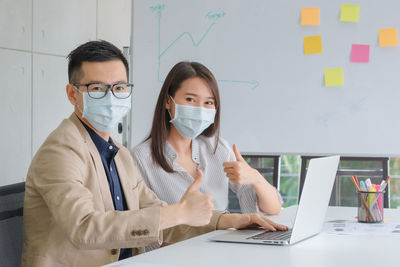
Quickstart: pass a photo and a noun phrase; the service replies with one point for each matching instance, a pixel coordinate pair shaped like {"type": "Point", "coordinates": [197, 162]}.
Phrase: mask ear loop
{"type": "Point", "coordinates": [169, 110]}
{"type": "Point", "coordinates": [77, 106]}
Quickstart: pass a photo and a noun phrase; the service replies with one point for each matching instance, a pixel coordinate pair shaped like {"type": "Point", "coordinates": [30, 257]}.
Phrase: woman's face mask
{"type": "Point", "coordinates": [191, 121]}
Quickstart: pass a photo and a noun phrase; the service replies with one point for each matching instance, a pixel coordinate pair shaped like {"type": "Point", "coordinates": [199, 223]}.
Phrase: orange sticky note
{"type": "Point", "coordinates": [388, 37]}
{"type": "Point", "coordinates": [309, 16]}
{"type": "Point", "coordinates": [312, 44]}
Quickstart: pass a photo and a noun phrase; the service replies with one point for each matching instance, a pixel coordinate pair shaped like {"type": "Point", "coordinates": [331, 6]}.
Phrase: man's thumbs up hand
{"type": "Point", "coordinates": [196, 207]}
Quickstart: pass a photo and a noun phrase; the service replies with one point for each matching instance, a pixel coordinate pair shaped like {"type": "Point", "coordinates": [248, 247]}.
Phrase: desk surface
{"type": "Point", "coordinates": [321, 250]}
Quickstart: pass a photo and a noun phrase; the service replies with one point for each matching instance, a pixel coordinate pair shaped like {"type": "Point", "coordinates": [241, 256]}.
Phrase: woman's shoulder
{"type": "Point", "coordinates": [223, 145]}
{"type": "Point", "coordinates": [142, 150]}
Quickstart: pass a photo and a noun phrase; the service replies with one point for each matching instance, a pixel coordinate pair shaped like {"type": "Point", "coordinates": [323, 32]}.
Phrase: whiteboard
{"type": "Point", "coordinates": [273, 96]}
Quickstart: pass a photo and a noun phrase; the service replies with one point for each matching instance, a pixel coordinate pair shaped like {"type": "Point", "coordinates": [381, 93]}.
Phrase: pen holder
{"type": "Point", "coordinates": [370, 206]}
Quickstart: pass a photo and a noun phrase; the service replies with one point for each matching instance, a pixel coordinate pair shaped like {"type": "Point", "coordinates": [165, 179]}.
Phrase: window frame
{"type": "Point", "coordinates": [384, 172]}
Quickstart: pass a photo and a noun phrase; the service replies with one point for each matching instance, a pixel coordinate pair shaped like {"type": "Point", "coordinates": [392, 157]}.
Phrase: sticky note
{"type": "Point", "coordinates": [309, 16]}
{"type": "Point", "coordinates": [312, 44]}
{"type": "Point", "coordinates": [334, 77]}
{"type": "Point", "coordinates": [359, 53]}
{"type": "Point", "coordinates": [349, 13]}
{"type": "Point", "coordinates": [388, 37]}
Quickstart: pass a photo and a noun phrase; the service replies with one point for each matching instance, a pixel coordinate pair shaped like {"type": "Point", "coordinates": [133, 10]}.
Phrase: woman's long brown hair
{"type": "Point", "coordinates": [161, 126]}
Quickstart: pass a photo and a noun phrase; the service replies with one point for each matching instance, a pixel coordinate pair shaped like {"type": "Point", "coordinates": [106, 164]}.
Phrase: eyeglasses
{"type": "Point", "coordinates": [100, 90]}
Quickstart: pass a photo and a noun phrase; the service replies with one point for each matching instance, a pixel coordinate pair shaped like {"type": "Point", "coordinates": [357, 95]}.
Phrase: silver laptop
{"type": "Point", "coordinates": [310, 214]}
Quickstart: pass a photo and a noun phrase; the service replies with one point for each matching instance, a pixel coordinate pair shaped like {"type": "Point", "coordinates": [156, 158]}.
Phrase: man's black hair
{"type": "Point", "coordinates": [92, 51]}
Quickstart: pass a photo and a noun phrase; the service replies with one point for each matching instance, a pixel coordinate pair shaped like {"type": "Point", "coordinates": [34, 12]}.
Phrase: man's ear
{"type": "Point", "coordinates": [71, 94]}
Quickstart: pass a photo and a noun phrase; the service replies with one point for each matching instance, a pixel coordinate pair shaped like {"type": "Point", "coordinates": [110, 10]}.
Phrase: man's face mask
{"type": "Point", "coordinates": [104, 113]}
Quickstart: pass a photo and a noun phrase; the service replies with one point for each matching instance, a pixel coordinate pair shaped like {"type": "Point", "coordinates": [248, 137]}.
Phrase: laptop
{"type": "Point", "coordinates": [310, 213]}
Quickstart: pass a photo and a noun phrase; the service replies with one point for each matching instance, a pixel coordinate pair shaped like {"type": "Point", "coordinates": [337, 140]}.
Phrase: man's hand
{"type": "Point", "coordinates": [194, 208]}
{"type": "Point", "coordinates": [243, 220]}
{"type": "Point", "coordinates": [239, 172]}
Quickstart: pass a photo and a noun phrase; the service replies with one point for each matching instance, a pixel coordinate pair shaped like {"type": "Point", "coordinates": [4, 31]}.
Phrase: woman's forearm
{"type": "Point", "coordinates": [268, 197]}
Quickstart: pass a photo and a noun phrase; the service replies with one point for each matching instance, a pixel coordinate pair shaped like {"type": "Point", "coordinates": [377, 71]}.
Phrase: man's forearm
{"type": "Point", "coordinates": [170, 216]}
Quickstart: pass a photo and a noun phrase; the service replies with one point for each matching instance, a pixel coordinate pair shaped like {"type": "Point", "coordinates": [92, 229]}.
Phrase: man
{"type": "Point", "coordinates": [85, 202]}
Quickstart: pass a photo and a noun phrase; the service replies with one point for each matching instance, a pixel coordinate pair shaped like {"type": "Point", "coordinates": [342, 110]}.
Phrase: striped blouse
{"type": "Point", "coordinates": [170, 187]}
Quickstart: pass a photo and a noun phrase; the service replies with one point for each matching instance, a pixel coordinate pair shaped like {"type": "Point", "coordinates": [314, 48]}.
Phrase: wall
{"type": "Point", "coordinates": [35, 38]}
{"type": "Point", "coordinates": [273, 96]}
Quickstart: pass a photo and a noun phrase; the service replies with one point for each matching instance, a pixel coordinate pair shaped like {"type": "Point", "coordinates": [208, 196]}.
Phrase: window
{"type": "Point", "coordinates": [394, 185]}
{"type": "Point", "coordinates": [343, 191]}
{"type": "Point", "coordinates": [289, 179]}
{"type": "Point", "coordinates": [285, 171]}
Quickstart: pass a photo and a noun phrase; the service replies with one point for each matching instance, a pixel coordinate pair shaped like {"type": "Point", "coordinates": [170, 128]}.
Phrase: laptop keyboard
{"type": "Point", "coordinates": [267, 235]}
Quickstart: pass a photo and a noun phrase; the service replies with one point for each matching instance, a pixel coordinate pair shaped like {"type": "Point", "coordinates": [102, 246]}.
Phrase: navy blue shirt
{"type": "Point", "coordinates": [107, 151]}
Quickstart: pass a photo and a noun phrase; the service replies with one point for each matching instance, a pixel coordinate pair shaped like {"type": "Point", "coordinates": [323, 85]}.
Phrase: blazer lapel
{"type": "Point", "coordinates": [101, 176]}
{"type": "Point", "coordinates": [98, 164]}
{"type": "Point", "coordinates": [125, 182]}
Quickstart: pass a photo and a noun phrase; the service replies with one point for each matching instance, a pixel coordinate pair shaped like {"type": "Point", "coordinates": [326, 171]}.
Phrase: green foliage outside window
{"type": "Point", "coordinates": [346, 195]}
{"type": "Point", "coordinates": [289, 180]}
{"type": "Point", "coordinates": [394, 170]}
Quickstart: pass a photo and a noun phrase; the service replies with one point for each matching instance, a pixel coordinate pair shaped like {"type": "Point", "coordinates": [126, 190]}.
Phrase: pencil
{"type": "Point", "coordinates": [355, 178]}
{"type": "Point", "coordinates": [386, 183]}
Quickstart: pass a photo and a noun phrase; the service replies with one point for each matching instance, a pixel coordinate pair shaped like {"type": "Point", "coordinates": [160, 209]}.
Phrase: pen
{"type": "Point", "coordinates": [362, 186]}
{"type": "Point", "coordinates": [368, 184]}
{"type": "Point", "coordinates": [371, 197]}
{"type": "Point", "coordinates": [379, 202]}
{"type": "Point", "coordinates": [383, 183]}
{"type": "Point", "coordinates": [378, 197]}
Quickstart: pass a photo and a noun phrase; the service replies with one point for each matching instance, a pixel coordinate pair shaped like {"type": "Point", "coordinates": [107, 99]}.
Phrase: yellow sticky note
{"type": "Point", "coordinates": [310, 16]}
{"type": "Point", "coordinates": [312, 44]}
{"type": "Point", "coordinates": [388, 37]}
{"type": "Point", "coordinates": [334, 77]}
{"type": "Point", "coordinates": [350, 12]}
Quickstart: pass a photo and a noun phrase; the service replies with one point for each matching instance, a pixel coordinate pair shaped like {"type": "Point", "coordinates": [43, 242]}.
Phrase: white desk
{"type": "Point", "coordinates": [321, 250]}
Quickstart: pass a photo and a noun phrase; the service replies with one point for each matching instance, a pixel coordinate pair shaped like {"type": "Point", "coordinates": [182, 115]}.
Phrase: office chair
{"type": "Point", "coordinates": [11, 234]}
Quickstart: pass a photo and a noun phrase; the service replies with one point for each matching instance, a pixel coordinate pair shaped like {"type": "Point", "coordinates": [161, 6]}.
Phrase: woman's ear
{"type": "Point", "coordinates": [168, 104]}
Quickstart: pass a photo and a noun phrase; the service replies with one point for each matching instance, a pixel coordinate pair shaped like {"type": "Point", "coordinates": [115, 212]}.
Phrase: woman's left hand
{"type": "Point", "coordinates": [239, 172]}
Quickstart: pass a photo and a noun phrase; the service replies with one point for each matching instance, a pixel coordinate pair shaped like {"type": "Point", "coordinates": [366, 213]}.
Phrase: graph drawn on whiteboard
{"type": "Point", "coordinates": [213, 17]}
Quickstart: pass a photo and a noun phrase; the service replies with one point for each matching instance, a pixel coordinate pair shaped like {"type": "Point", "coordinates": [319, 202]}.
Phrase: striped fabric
{"type": "Point", "coordinates": [170, 187]}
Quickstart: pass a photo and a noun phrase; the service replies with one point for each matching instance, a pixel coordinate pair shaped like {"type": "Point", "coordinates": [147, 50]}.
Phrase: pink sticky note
{"type": "Point", "coordinates": [359, 53]}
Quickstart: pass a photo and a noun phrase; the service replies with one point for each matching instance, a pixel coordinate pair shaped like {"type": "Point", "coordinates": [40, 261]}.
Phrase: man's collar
{"type": "Point", "coordinates": [101, 144]}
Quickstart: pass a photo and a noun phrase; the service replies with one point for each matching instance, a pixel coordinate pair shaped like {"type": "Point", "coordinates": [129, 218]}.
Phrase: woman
{"type": "Point", "coordinates": [185, 139]}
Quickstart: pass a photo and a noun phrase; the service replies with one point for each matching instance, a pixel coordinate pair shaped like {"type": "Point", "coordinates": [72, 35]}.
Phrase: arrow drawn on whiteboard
{"type": "Point", "coordinates": [357, 104]}
{"type": "Point", "coordinates": [158, 9]}
{"type": "Point", "coordinates": [214, 17]}
{"type": "Point", "coordinates": [324, 119]}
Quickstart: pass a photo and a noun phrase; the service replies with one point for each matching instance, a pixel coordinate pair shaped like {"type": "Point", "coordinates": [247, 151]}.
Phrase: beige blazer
{"type": "Point", "coordinates": [69, 216]}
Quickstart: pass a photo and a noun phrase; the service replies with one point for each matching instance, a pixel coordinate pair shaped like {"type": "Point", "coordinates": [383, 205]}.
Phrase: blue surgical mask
{"type": "Point", "coordinates": [191, 121]}
{"type": "Point", "coordinates": [105, 113]}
